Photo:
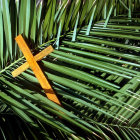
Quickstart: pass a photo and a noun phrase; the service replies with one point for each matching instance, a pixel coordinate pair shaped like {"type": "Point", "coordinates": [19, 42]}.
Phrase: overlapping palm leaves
{"type": "Point", "coordinates": [95, 70]}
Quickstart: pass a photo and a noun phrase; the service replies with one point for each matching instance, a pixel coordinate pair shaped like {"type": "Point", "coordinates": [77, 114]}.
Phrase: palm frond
{"type": "Point", "coordinates": [94, 71]}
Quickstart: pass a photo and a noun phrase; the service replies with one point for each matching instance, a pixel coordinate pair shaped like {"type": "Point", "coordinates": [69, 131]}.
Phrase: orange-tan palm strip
{"type": "Point", "coordinates": [36, 69]}
{"type": "Point", "coordinates": [37, 57]}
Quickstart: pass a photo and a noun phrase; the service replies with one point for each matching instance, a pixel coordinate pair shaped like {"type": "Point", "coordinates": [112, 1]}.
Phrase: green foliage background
{"type": "Point", "coordinates": [94, 69]}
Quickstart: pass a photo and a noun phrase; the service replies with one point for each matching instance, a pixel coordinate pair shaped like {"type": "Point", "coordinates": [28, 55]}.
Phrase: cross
{"type": "Point", "coordinates": [31, 62]}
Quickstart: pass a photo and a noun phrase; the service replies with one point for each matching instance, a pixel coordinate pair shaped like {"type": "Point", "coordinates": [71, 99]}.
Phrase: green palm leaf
{"type": "Point", "coordinates": [94, 69]}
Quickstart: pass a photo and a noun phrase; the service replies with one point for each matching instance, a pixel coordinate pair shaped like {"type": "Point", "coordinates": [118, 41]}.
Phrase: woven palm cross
{"type": "Point", "coordinates": [31, 62]}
